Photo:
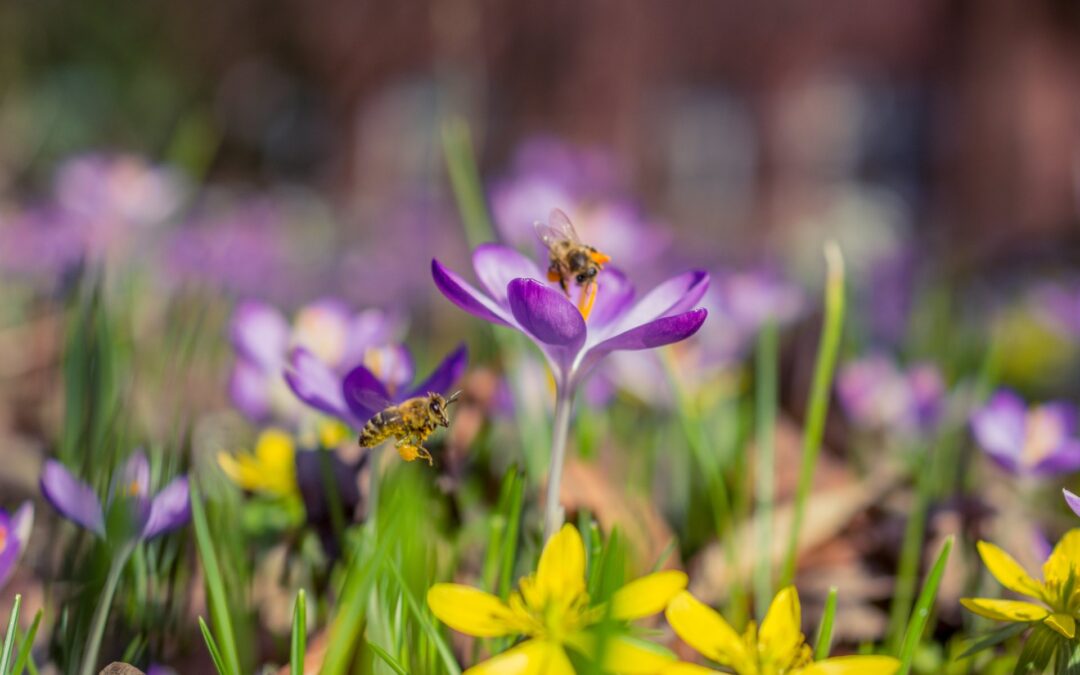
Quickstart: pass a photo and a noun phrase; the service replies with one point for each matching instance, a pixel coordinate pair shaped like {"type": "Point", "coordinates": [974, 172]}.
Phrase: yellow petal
{"type": "Point", "coordinates": [647, 596]}
{"type": "Point", "coordinates": [854, 665]}
{"type": "Point", "coordinates": [687, 669]}
{"type": "Point", "coordinates": [706, 631]}
{"type": "Point", "coordinates": [471, 611]}
{"type": "Point", "coordinates": [1005, 610]}
{"type": "Point", "coordinates": [240, 470]}
{"type": "Point", "coordinates": [535, 657]}
{"type": "Point", "coordinates": [1007, 571]}
{"type": "Point", "coordinates": [1065, 559]}
{"type": "Point", "coordinates": [1062, 623]}
{"type": "Point", "coordinates": [781, 630]}
{"type": "Point", "coordinates": [623, 654]}
{"type": "Point", "coordinates": [275, 451]}
{"type": "Point", "coordinates": [561, 571]}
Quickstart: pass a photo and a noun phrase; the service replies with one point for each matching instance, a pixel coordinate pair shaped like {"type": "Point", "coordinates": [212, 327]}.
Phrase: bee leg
{"type": "Point", "coordinates": [587, 299]}
{"type": "Point", "coordinates": [423, 453]}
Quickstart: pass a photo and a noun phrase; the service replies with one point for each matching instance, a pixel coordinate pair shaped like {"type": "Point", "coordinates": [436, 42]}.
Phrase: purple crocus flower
{"type": "Point", "coordinates": [147, 516]}
{"type": "Point", "coordinates": [516, 297]}
{"type": "Point", "coordinates": [339, 339]}
{"type": "Point", "coordinates": [367, 388]}
{"type": "Point", "coordinates": [1038, 441]}
{"type": "Point", "coordinates": [14, 534]}
{"type": "Point", "coordinates": [1059, 305]}
{"type": "Point", "coordinates": [877, 394]}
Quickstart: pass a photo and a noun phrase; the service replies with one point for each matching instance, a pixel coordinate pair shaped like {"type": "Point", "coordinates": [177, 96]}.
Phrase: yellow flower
{"type": "Point", "coordinates": [778, 648]}
{"type": "Point", "coordinates": [552, 609]}
{"type": "Point", "coordinates": [271, 470]}
{"type": "Point", "coordinates": [1059, 591]}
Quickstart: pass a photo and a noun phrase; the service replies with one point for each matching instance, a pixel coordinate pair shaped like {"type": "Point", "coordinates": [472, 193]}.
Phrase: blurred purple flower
{"type": "Point", "coordinates": [876, 394]}
{"type": "Point", "coordinates": [326, 329]}
{"type": "Point", "coordinates": [1070, 498]}
{"type": "Point", "coordinates": [14, 534]}
{"type": "Point", "coordinates": [573, 346]}
{"type": "Point", "coordinates": [1037, 441]}
{"type": "Point", "coordinates": [118, 191]}
{"type": "Point", "coordinates": [583, 182]}
{"type": "Point", "coordinates": [367, 388]}
{"type": "Point", "coordinates": [144, 516]}
{"type": "Point", "coordinates": [1059, 306]}
{"type": "Point", "coordinates": [40, 245]}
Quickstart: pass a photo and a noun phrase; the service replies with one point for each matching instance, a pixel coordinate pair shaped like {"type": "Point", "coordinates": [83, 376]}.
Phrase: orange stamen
{"type": "Point", "coordinates": [587, 300]}
{"type": "Point", "coordinates": [3, 538]}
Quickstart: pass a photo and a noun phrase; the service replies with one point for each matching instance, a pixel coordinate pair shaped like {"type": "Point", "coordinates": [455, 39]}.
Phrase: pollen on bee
{"type": "Point", "coordinates": [599, 258]}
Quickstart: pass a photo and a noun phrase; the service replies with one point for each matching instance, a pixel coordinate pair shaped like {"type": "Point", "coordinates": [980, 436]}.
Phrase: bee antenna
{"type": "Point", "coordinates": [453, 397]}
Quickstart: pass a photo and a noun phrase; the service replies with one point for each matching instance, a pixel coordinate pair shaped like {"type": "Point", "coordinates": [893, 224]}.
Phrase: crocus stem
{"type": "Point", "coordinates": [101, 614]}
{"type": "Point", "coordinates": [765, 384]}
{"type": "Point", "coordinates": [553, 513]}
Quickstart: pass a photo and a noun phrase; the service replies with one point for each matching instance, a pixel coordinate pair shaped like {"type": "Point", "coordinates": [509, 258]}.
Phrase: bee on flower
{"type": "Point", "coordinates": [553, 610]}
{"type": "Point", "coordinates": [777, 647]}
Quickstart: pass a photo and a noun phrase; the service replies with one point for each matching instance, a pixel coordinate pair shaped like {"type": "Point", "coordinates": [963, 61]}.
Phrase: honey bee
{"type": "Point", "coordinates": [570, 259]}
{"type": "Point", "coordinates": [410, 423]}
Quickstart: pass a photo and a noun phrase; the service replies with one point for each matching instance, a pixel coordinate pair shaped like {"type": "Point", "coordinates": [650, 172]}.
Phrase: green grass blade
{"type": "Point", "coordinates": [510, 540]}
{"type": "Point", "coordinates": [215, 585]}
{"type": "Point", "coordinates": [911, 550]}
{"type": "Point", "coordinates": [211, 646]}
{"type": "Point", "coordinates": [823, 644]}
{"type": "Point", "coordinates": [299, 634]}
{"type": "Point", "coordinates": [832, 330]}
{"type": "Point", "coordinates": [465, 179]}
{"type": "Point", "coordinates": [422, 618]}
{"type": "Point", "coordinates": [387, 659]}
{"type": "Point", "coordinates": [921, 615]}
{"type": "Point", "coordinates": [765, 472]}
{"type": "Point", "coordinates": [27, 645]}
{"type": "Point", "coordinates": [9, 637]}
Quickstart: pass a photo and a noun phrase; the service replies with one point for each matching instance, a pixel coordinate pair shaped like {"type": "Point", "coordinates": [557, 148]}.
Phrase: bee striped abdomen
{"type": "Point", "coordinates": [379, 428]}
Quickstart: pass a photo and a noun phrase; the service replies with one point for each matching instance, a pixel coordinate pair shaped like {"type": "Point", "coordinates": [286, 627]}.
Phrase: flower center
{"type": "Point", "coordinates": [3, 537]}
{"type": "Point", "coordinates": [587, 299]}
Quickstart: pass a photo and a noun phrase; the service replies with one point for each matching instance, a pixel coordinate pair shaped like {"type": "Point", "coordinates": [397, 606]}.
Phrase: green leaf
{"type": "Point", "coordinates": [215, 653]}
{"type": "Point", "coordinates": [299, 634]}
{"type": "Point", "coordinates": [387, 659]}
{"type": "Point", "coordinates": [9, 637]}
{"type": "Point", "coordinates": [823, 644]}
{"type": "Point", "coordinates": [1037, 652]}
{"type": "Point", "coordinates": [425, 622]}
{"type": "Point", "coordinates": [994, 638]}
{"type": "Point", "coordinates": [215, 585]}
{"type": "Point", "coordinates": [921, 614]}
{"type": "Point", "coordinates": [27, 644]}
{"type": "Point", "coordinates": [465, 180]}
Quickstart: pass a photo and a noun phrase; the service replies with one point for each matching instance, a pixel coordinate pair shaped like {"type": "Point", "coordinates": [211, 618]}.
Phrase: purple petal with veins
{"type": "Point", "coordinates": [496, 266]}
{"type": "Point", "coordinates": [462, 294]}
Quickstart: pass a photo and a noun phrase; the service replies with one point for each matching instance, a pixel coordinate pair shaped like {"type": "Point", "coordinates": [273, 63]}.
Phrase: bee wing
{"type": "Point", "coordinates": [558, 228]}
{"type": "Point", "coordinates": [369, 400]}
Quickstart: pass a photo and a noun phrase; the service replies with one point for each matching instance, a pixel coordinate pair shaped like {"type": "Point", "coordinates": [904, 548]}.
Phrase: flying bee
{"type": "Point", "coordinates": [570, 259]}
{"type": "Point", "coordinates": [409, 423]}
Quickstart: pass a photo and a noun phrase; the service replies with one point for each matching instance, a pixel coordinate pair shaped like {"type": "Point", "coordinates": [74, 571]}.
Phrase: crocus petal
{"type": "Point", "coordinates": [496, 266]}
{"type": "Point", "coordinates": [1062, 623]}
{"type": "Point", "coordinates": [72, 498]}
{"type": "Point", "coordinates": [561, 570]}
{"type": "Point", "coordinates": [445, 374]}
{"type": "Point", "coordinates": [471, 611]}
{"type": "Point", "coordinates": [135, 476]}
{"type": "Point", "coordinates": [1005, 610]}
{"type": "Point", "coordinates": [623, 654]}
{"type": "Point", "coordinates": [1064, 560]}
{"type": "Point", "coordinates": [547, 316]}
{"type": "Point", "coordinates": [259, 332]}
{"type": "Point", "coordinates": [614, 294]}
{"type": "Point", "coordinates": [1007, 571]}
{"type": "Point", "coordinates": [707, 632]}
{"type": "Point", "coordinates": [370, 328]}
{"type": "Point", "coordinates": [249, 389]}
{"type": "Point", "coordinates": [647, 596]}
{"type": "Point", "coordinates": [22, 522]}
{"type": "Point", "coordinates": [462, 294]}
{"type": "Point", "coordinates": [534, 657]}
{"type": "Point", "coordinates": [854, 665]}
{"type": "Point", "coordinates": [781, 629]}
{"type": "Point", "coordinates": [674, 296]}
{"type": "Point", "coordinates": [170, 509]}
{"type": "Point", "coordinates": [658, 333]}
{"type": "Point", "coordinates": [1065, 459]}
{"type": "Point", "coordinates": [999, 427]}
{"type": "Point", "coordinates": [315, 384]}
{"type": "Point", "coordinates": [364, 394]}
{"type": "Point", "coordinates": [9, 555]}
{"type": "Point", "coordinates": [1073, 501]}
